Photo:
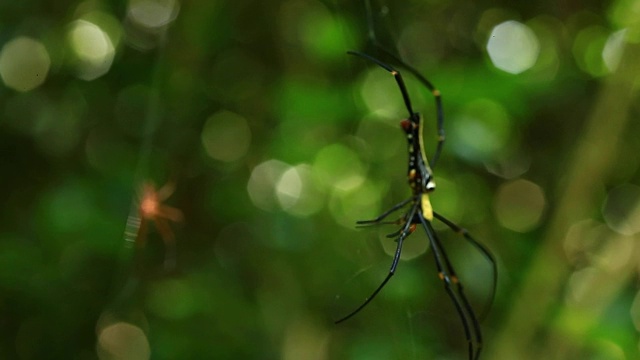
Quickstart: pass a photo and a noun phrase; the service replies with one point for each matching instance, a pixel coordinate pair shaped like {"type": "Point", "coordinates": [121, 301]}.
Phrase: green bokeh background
{"type": "Point", "coordinates": [256, 279]}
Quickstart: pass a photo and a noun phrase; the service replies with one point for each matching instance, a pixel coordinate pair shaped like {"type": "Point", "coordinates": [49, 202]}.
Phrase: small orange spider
{"type": "Point", "coordinates": [151, 208]}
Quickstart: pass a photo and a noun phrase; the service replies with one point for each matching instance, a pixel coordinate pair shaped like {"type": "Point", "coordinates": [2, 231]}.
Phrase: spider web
{"type": "Point", "coordinates": [152, 122]}
{"type": "Point", "coordinates": [126, 279]}
{"type": "Point", "coordinates": [370, 19]}
{"type": "Point", "coordinates": [376, 21]}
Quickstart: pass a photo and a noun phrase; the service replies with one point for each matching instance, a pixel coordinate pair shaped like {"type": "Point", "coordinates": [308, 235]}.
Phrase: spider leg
{"type": "Point", "coordinates": [394, 264]}
{"type": "Point", "coordinates": [166, 190]}
{"type": "Point", "coordinates": [480, 247]}
{"type": "Point", "coordinates": [412, 228]}
{"type": "Point", "coordinates": [396, 233]}
{"type": "Point", "coordinates": [170, 213]}
{"type": "Point", "coordinates": [169, 241]}
{"type": "Point", "coordinates": [436, 94]}
{"type": "Point", "coordinates": [378, 220]}
{"type": "Point", "coordinates": [141, 238]}
{"type": "Point", "coordinates": [455, 291]}
{"type": "Point", "coordinates": [396, 75]}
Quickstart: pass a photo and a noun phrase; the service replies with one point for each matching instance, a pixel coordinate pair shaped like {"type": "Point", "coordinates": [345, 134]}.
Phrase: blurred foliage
{"type": "Point", "coordinates": [277, 142]}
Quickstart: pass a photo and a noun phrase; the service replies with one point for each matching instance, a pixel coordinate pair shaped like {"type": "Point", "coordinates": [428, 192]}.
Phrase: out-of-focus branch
{"type": "Point", "coordinates": [578, 187]}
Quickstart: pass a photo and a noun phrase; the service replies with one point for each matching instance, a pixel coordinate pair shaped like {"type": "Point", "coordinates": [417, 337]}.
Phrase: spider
{"type": "Point", "coordinates": [151, 208]}
{"type": "Point", "coordinates": [421, 213]}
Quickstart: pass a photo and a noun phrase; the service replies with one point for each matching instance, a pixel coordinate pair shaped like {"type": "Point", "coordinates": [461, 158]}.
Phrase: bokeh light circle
{"type": "Point", "coordinates": [226, 136]}
{"type": "Point", "coordinates": [519, 205]}
{"type": "Point", "coordinates": [24, 64]}
{"type": "Point", "coordinates": [513, 47]}
{"type": "Point", "coordinates": [262, 183]}
{"type": "Point", "coordinates": [123, 341]}
{"type": "Point", "coordinates": [93, 48]}
{"type": "Point", "coordinates": [621, 209]}
{"type": "Point", "coordinates": [152, 14]}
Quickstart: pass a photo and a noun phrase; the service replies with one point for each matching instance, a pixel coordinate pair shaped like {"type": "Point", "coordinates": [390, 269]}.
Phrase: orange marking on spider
{"type": "Point", "coordinates": [152, 209]}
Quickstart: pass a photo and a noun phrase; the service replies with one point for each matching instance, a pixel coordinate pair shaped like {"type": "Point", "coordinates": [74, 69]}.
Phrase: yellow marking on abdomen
{"type": "Point", "coordinates": [425, 206]}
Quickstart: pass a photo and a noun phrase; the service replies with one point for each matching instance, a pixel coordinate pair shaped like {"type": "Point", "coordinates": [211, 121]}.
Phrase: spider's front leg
{"type": "Point", "coordinates": [379, 219]}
